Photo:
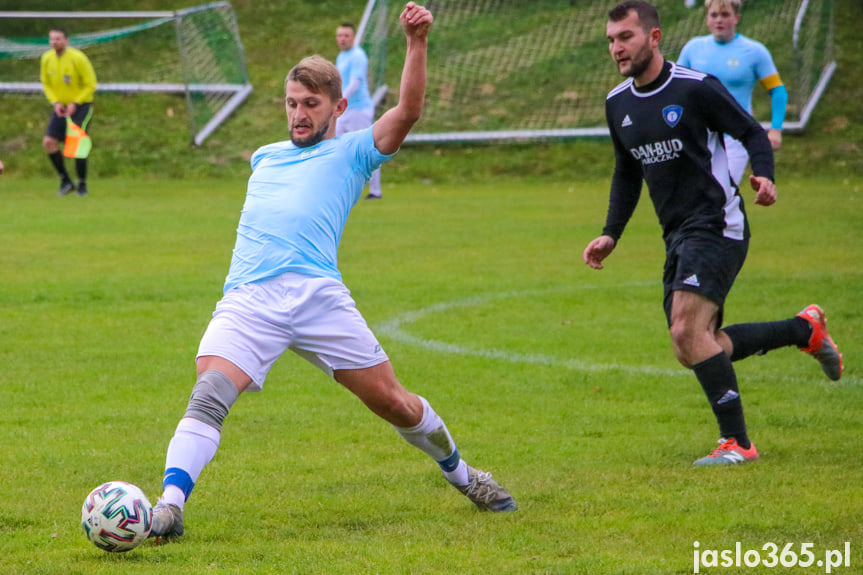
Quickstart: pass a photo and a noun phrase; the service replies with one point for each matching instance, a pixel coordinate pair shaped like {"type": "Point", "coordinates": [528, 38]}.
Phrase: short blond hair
{"type": "Point", "coordinates": [733, 4]}
{"type": "Point", "coordinates": [318, 75]}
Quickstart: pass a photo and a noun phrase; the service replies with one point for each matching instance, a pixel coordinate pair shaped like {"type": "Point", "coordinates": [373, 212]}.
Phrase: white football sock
{"type": "Point", "coordinates": [193, 446]}
{"type": "Point", "coordinates": [432, 437]}
{"type": "Point", "coordinates": [375, 183]}
{"type": "Point", "coordinates": [459, 475]}
{"type": "Point", "coordinates": [174, 495]}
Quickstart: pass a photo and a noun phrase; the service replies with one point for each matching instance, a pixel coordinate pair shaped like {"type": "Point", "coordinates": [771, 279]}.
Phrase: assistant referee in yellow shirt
{"type": "Point", "coordinates": [69, 82]}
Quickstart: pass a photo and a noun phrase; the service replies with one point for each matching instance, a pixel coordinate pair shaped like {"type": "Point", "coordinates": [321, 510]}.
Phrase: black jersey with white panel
{"type": "Point", "coordinates": [669, 134]}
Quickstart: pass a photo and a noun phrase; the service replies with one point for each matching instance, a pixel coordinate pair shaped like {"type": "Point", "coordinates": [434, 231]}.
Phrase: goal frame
{"type": "Point", "coordinates": [238, 91]}
{"type": "Point", "coordinates": [805, 107]}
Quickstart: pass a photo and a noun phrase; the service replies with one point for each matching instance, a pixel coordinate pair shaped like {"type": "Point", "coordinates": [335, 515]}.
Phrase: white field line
{"type": "Point", "coordinates": [395, 329]}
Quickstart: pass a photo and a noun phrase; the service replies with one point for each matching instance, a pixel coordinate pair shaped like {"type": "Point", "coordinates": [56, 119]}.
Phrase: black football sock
{"type": "Point", "coordinates": [59, 164]}
{"type": "Point", "coordinates": [759, 338]}
{"type": "Point", "coordinates": [81, 169]}
{"type": "Point", "coordinates": [717, 378]}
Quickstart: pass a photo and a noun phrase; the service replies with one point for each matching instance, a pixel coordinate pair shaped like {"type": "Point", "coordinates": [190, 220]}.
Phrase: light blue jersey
{"type": "Point", "coordinates": [297, 205]}
{"type": "Point", "coordinates": [352, 64]}
{"type": "Point", "coordinates": [739, 65]}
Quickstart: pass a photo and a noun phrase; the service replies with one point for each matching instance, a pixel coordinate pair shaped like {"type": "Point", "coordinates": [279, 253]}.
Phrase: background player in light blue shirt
{"type": "Point", "coordinates": [353, 65]}
{"type": "Point", "coordinates": [739, 63]}
{"type": "Point", "coordinates": [284, 291]}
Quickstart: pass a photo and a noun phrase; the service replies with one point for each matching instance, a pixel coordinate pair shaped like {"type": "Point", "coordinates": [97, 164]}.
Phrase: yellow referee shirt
{"type": "Point", "coordinates": [69, 78]}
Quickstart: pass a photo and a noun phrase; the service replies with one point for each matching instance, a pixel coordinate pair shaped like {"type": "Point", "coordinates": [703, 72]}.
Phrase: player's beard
{"type": "Point", "coordinates": [639, 62]}
{"type": "Point", "coordinates": [313, 139]}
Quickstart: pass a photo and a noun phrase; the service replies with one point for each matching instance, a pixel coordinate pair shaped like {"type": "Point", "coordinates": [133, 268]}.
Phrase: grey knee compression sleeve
{"type": "Point", "coordinates": [212, 397]}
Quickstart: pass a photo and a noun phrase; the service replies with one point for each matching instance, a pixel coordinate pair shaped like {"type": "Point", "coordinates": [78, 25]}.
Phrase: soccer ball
{"type": "Point", "coordinates": [117, 516]}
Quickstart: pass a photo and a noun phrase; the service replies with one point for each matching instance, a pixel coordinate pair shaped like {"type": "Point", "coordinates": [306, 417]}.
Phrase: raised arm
{"type": "Point", "coordinates": [392, 128]}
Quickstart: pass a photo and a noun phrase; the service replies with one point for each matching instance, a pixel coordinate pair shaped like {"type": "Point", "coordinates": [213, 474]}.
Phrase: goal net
{"type": "Point", "coordinates": [195, 51]}
{"type": "Point", "coordinates": [507, 69]}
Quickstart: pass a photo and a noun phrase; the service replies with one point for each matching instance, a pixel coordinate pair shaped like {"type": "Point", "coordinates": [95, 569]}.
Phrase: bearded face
{"type": "Point", "coordinates": [311, 116]}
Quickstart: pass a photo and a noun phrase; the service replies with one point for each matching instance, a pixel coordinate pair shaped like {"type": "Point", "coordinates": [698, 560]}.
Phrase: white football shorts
{"type": "Point", "coordinates": [316, 318]}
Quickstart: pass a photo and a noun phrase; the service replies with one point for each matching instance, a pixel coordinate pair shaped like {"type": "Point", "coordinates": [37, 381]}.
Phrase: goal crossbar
{"type": "Point", "coordinates": [114, 14]}
{"type": "Point", "coordinates": [25, 87]}
{"type": "Point", "coordinates": [85, 14]}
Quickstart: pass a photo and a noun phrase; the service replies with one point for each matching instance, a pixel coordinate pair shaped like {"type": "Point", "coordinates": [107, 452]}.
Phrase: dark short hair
{"type": "Point", "coordinates": [647, 14]}
{"type": "Point", "coordinates": [58, 29]}
{"type": "Point", "coordinates": [348, 25]}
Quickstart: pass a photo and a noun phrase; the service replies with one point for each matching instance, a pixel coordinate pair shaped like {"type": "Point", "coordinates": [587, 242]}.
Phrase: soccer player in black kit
{"type": "Point", "coordinates": [666, 123]}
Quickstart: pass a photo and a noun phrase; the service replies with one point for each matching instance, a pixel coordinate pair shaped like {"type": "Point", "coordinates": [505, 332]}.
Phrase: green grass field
{"type": "Point", "coordinates": [557, 378]}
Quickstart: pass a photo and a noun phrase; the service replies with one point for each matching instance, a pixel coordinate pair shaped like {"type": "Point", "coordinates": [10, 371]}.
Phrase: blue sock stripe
{"type": "Point", "coordinates": [179, 478]}
{"type": "Point", "coordinates": [451, 462]}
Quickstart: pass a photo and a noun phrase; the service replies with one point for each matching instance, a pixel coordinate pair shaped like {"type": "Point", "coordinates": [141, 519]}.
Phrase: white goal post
{"type": "Point", "coordinates": [508, 70]}
{"type": "Point", "coordinates": [194, 51]}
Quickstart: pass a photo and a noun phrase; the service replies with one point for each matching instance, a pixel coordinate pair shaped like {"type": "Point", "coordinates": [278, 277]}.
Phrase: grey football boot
{"type": "Point", "coordinates": [486, 493]}
{"type": "Point", "coordinates": [167, 521]}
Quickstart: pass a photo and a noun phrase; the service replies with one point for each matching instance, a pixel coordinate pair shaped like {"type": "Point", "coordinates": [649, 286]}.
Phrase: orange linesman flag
{"type": "Point", "coordinates": [78, 143]}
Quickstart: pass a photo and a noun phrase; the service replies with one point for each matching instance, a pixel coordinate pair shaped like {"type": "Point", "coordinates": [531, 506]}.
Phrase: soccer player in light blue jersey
{"type": "Point", "coordinates": [284, 290]}
{"type": "Point", "coordinates": [739, 63]}
{"type": "Point", "coordinates": [353, 65]}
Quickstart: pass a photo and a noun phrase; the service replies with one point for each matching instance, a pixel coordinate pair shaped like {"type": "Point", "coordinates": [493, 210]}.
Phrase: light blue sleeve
{"type": "Point", "coordinates": [357, 69]}
{"type": "Point", "coordinates": [362, 151]}
{"type": "Point", "coordinates": [359, 66]}
{"type": "Point", "coordinates": [256, 158]}
{"type": "Point", "coordinates": [765, 67]}
{"type": "Point", "coordinates": [260, 153]}
{"type": "Point", "coordinates": [778, 103]}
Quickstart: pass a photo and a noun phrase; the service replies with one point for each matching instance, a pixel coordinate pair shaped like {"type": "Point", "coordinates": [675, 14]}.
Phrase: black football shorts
{"type": "Point", "coordinates": [702, 262]}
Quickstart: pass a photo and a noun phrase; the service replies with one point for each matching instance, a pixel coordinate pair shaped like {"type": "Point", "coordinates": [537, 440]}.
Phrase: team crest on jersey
{"type": "Point", "coordinates": [67, 79]}
{"type": "Point", "coordinates": [672, 115]}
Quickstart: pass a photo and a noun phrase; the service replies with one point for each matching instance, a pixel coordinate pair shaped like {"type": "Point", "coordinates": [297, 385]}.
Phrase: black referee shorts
{"type": "Point", "coordinates": [57, 125]}
{"type": "Point", "coordinates": [704, 263]}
